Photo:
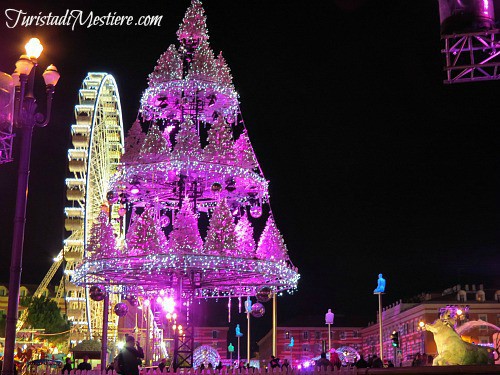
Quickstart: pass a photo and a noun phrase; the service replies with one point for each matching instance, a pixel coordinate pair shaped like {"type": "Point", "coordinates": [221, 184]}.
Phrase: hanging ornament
{"type": "Point", "coordinates": [122, 211]}
{"type": "Point", "coordinates": [121, 309]}
{"type": "Point", "coordinates": [164, 221]}
{"type": "Point", "coordinates": [258, 310]}
{"type": "Point", "coordinates": [112, 197]}
{"type": "Point", "coordinates": [239, 305]}
{"type": "Point", "coordinates": [263, 294]}
{"type": "Point", "coordinates": [216, 187]}
{"type": "Point", "coordinates": [133, 300]}
{"type": "Point", "coordinates": [96, 292]}
{"type": "Point", "coordinates": [256, 211]}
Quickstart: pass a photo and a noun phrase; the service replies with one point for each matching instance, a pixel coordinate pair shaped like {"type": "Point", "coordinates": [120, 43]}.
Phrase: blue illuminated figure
{"type": "Point", "coordinates": [380, 285]}
{"type": "Point", "coordinates": [238, 332]}
{"type": "Point", "coordinates": [292, 343]}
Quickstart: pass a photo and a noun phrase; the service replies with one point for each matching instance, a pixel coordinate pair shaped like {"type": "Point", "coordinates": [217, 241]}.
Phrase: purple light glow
{"type": "Point", "coordinates": [169, 305]}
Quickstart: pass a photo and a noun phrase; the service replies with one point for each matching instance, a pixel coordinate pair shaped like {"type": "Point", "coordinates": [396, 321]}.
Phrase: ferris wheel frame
{"type": "Point", "coordinates": [98, 141]}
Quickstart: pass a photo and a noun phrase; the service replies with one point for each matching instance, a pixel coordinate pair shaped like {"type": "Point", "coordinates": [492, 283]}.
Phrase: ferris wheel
{"type": "Point", "coordinates": [97, 140]}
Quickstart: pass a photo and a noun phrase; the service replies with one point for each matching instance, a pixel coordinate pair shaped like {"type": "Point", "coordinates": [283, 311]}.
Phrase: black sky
{"type": "Point", "coordinates": [374, 164]}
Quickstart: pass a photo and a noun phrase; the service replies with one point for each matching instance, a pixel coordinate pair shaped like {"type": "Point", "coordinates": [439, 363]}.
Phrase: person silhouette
{"type": "Point", "coordinates": [381, 284]}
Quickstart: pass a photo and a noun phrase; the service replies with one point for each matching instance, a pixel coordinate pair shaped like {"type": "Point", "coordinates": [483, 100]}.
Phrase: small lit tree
{"type": "Point", "coordinates": [221, 237]}
{"type": "Point", "coordinates": [245, 156]}
{"type": "Point", "coordinates": [220, 143]}
{"type": "Point", "coordinates": [187, 146]}
{"type": "Point", "coordinates": [271, 244]}
{"type": "Point", "coordinates": [102, 239]}
{"type": "Point", "coordinates": [185, 236]}
{"type": "Point", "coordinates": [133, 141]}
{"type": "Point", "coordinates": [244, 235]}
{"type": "Point", "coordinates": [145, 235]}
{"type": "Point", "coordinates": [155, 147]}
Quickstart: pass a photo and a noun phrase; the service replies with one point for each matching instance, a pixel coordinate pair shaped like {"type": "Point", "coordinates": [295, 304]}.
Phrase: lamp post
{"type": "Point", "coordinates": [329, 316]}
{"type": "Point", "coordinates": [380, 289]}
{"type": "Point", "coordinates": [421, 328]}
{"type": "Point", "coordinates": [25, 118]}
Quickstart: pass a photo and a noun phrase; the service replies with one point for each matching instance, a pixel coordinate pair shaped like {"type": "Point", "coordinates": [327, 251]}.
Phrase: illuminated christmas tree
{"type": "Point", "coordinates": [245, 240]}
{"type": "Point", "coordinates": [244, 152]}
{"type": "Point", "coordinates": [222, 72]}
{"type": "Point", "coordinates": [220, 144]}
{"type": "Point", "coordinates": [155, 147]}
{"type": "Point", "coordinates": [221, 236]}
{"type": "Point", "coordinates": [190, 94]}
{"type": "Point", "coordinates": [271, 244]}
{"type": "Point", "coordinates": [185, 236]}
{"type": "Point", "coordinates": [194, 24]}
{"type": "Point", "coordinates": [187, 146]}
{"type": "Point", "coordinates": [102, 240]}
{"type": "Point", "coordinates": [133, 142]}
{"type": "Point", "coordinates": [168, 68]}
{"type": "Point", "coordinates": [145, 235]}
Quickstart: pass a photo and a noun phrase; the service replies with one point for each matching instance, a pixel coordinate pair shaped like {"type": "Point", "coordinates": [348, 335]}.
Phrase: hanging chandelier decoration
{"type": "Point", "coordinates": [191, 189]}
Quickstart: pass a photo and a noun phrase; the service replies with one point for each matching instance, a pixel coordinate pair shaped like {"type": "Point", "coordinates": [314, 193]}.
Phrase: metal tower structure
{"type": "Point", "coordinates": [471, 40]}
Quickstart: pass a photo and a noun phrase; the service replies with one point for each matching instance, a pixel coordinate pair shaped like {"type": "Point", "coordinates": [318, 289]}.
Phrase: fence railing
{"type": "Point", "coordinates": [438, 370]}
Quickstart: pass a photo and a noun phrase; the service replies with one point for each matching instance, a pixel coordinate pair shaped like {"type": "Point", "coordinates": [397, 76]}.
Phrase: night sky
{"type": "Point", "coordinates": [375, 165]}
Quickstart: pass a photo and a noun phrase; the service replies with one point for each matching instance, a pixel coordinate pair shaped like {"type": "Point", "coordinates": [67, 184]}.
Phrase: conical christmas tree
{"type": "Point", "coordinates": [185, 236]}
{"type": "Point", "coordinates": [194, 24]}
{"type": "Point", "coordinates": [221, 237]}
{"type": "Point", "coordinates": [133, 141]}
{"type": "Point", "coordinates": [187, 143]}
{"type": "Point", "coordinates": [155, 147]}
{"type": "Point", "coordinates": [145, 235]}
{"type": "Point", "coordinates": [168, 67]}
{"type": "Point", "coordinates": [222, 72]}
{"type": "Point", "coordinates": [102, 240]}
{"type": "Point", "coordinates": [271, 244]}
{"type": "Point", "coordinates": [203, 66]}
{"type": "Point", "coordinates": [244, 236]}
{"type": "Point", "coordinates": [245, 157]}
{"type": "Point", "coordinates": [220, 144]}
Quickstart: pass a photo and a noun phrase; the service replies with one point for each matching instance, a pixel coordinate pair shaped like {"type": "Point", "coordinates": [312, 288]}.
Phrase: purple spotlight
{"type": "Point", "coordinates": [134, 190]}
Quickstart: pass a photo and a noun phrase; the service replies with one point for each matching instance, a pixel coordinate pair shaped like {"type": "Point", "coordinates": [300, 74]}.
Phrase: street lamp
{"type": "Point", "coordinates": [421, 328]}
{"type": "Point", "coordinates": [25, 118]}
{"type": "Point", "coordinates": [329, 316]}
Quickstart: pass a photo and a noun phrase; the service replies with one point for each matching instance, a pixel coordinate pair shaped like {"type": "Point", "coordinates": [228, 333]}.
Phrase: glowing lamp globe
{"type": "Point", "coordinates": [34, 48]}
{"type": "Point", "coordinates": [51, 75]}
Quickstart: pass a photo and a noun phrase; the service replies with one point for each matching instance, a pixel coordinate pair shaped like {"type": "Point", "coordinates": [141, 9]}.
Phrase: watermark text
{"type": "Point", "coordinates": [74, 18]}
